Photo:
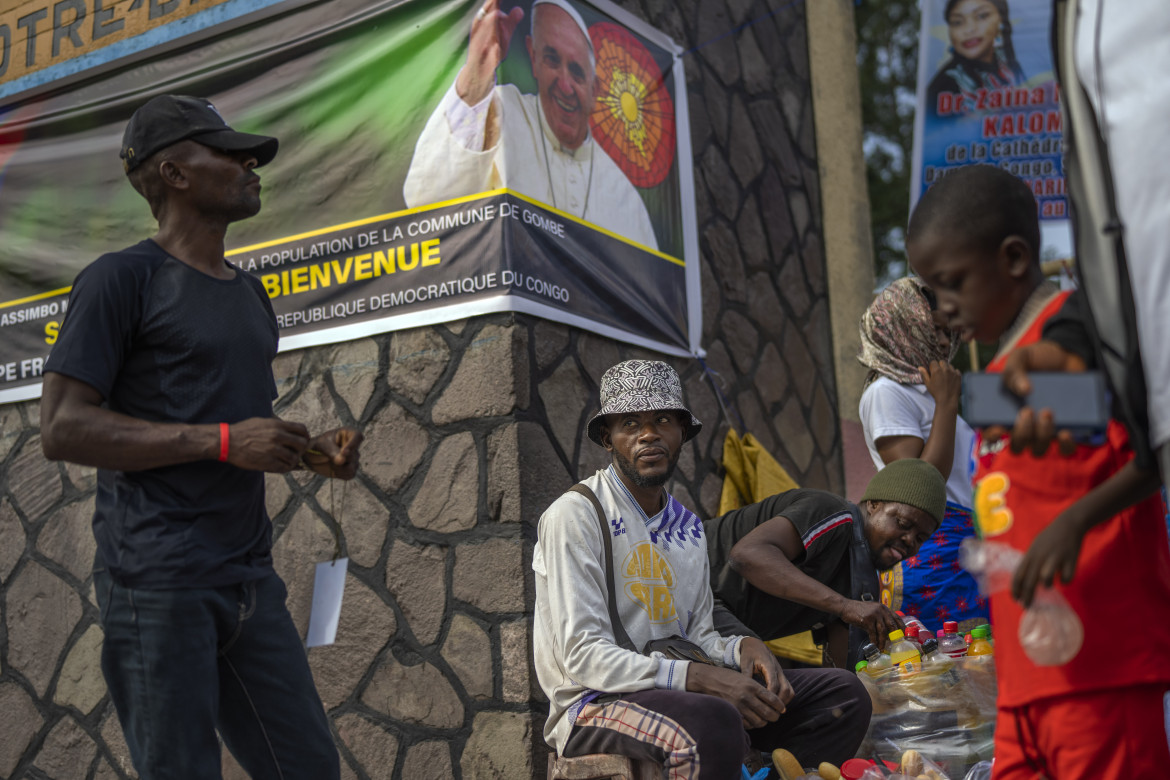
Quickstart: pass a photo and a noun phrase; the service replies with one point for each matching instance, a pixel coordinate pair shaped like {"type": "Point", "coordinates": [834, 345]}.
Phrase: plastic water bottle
{"type": "Point", "coordinates": [932, 657]}
{"type": "Point", "coordinates": [952, 645]}
{"type": "Point", "coordinates": [904, 654]}
{"type": "Point", "coordinates": [939, 672]}
{"type": "Point", "coordinates": [876, 661]}
{"type": "Point", "coordinates": [934, 660]}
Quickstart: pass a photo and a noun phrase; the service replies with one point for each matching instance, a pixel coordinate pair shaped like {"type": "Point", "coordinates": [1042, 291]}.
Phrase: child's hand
{"type": "Point", "coordinates": [1054, 551]}
{"type": "Point", "coordinates": [944, 382]}
{"type": "Point", "coordinates": [1033, 430]}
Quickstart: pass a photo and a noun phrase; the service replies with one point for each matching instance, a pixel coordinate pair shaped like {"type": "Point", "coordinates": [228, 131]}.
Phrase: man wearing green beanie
{"type": "Point", "coordinates": [808, 560]}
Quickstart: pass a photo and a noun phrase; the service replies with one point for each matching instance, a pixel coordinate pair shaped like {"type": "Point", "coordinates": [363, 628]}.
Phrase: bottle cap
{"type": "Point", "coordinates": [854, 768]}
{"type": "Point", "coordinates": [869, 650]}
{"type": "Point", "coordinates": [986, 627]}
{"type": "Point", "coordinates": [901, 614]}
{"type": "Point", "coordinates": [897, 635]}
{"type": "Point", "coordinates": [979, 633]}
{"type": "Point", "coordinates": [951, 627]}
{"type": "Point", "coordinates": [940, 633]}
{"type": "Point", "coordinates": [929, 646]}
{"type": "Point", "coordinates": [860, 665]}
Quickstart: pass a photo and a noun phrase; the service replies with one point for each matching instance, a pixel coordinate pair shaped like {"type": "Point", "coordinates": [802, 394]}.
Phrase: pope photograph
{"type": "Point", "coordinates": [484, 135]}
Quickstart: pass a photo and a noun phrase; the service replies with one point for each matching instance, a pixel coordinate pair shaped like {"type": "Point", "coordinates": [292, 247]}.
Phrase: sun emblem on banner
{"type": "Point", "coordinates": [633, 116]}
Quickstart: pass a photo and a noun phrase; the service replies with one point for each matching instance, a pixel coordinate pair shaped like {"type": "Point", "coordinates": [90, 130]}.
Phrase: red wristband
{"type": "Point", "coordinates": [224, 437]}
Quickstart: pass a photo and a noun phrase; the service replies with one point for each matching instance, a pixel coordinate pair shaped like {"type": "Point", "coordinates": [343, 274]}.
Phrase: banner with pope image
{"type": "Point", "coordinates": [564, 190]}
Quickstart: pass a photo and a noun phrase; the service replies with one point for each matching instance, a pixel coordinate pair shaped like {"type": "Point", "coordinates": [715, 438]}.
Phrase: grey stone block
{"type": "Point", "coordinates": [448, 500]}
{"type": "Point", "coordinates": [365, 626]}
{"type": "Point", "coordinates": [375, 748]}
{"type": "Point", "coordinates": [491, 752]}
{"type": "Point", "coordinates": [41, 612]}
{"type": "Point", "coordinates": [418, 694]}
{"type": "Point", "coordinates": [416, 578]}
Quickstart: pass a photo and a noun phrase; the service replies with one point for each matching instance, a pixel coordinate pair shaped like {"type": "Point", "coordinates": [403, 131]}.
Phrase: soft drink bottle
{"type": "Point", "coordinates": [979, 644]}
{"type": "Point", "coordinates": [910, 620]}
{"type": "Point", "coordinates": [981, 663]}
{"type": "Point", "coordinates": [914, 636]}
{"type": "Point", "coordinates": [952, 645]}
{"type": "Point", "coordinates": [904, 654]}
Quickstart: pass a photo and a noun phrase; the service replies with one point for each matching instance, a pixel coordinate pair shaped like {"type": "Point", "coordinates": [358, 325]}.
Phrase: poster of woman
{"type": "Point", "coordinates": [982, 54]}
{"type": "Point", "coordinates": [987, 94]}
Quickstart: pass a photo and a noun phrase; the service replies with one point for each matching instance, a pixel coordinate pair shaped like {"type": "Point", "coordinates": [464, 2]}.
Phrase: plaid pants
{"type": "Point", "coordinates": [701, 737]}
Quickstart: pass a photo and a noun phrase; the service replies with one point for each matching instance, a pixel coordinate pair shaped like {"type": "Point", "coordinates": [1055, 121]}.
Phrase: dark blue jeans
{"type": "Point", "coordinates": [182, 664]}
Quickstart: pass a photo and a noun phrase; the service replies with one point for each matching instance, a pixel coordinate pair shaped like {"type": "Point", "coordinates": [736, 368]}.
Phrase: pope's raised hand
{"type": "Point", "coordinates": [491, 34]}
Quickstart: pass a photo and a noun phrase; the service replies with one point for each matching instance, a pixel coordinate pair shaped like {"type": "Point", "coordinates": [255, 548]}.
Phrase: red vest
{"type": "Point", "coordinates": [1121, 589]}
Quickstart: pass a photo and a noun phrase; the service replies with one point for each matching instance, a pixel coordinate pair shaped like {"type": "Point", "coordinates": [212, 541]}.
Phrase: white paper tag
{"type": "Point", "coordinates": [328, 587]}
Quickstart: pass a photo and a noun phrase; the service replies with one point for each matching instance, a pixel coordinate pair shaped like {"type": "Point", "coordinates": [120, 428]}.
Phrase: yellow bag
{"type": "Point", "coordinates": [751, 474]}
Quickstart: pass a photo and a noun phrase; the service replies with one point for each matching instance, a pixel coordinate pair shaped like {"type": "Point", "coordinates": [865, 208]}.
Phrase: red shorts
{"type": "Point", "coordinates": [1114, 734]}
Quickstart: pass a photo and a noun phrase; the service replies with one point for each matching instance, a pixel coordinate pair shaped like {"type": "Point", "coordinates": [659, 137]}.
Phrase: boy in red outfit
{"type": "Point", "coordinates": [974, 238]}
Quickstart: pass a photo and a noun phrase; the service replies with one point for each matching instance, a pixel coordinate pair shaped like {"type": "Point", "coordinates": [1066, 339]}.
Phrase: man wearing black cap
{"type": "Point", "coordinates": [162, 379]}
{"type": "Point", "coordinates": [799, 560]}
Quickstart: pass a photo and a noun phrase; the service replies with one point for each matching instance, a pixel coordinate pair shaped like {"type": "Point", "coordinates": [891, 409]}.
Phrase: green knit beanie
{"type": "Point", "coordinates": [912, 482]}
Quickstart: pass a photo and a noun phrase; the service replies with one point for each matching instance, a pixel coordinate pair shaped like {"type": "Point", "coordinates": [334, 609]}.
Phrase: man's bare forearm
{"type": "Point", "coordinates": [75, 429]}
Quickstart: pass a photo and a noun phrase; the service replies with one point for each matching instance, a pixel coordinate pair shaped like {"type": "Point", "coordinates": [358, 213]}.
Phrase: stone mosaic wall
{"type": "Point", "coordinates": [472, 428]}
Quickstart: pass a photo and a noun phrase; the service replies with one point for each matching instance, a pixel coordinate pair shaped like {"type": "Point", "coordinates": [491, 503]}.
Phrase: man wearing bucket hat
{"type": "Point", "coordinates": [607, 697]}
{"type": "Point", "coordinates": [801, 559]}
{"type": "Point", "coordinates": [161, 378]}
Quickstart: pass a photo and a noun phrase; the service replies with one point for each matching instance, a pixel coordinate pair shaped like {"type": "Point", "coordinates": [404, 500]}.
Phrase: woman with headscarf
{"type": "Point", "coordinates": [910, 409]}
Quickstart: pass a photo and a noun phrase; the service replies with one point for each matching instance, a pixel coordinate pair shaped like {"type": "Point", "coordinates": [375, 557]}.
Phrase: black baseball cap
{"type": "Point", "coordinates": [168, 119]}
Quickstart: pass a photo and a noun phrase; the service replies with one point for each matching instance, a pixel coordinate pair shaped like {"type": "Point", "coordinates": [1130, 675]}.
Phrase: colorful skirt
{"type": "Point", "coordinates": [931, 585]}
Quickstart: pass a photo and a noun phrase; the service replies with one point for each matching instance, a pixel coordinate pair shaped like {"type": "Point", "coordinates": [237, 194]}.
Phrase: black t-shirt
{"type": "Point", "coordinates": [825, 525]}
{"type": "Point", "coordinates": [164, 342]}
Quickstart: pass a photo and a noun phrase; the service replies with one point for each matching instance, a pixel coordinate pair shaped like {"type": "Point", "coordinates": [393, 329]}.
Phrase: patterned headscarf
{"type": "Point", "coordinates": [898, 334]}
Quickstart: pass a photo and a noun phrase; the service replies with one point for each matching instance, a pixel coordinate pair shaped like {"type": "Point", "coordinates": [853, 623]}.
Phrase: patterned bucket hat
{"type": "Point", "coordinates": [641, 386]}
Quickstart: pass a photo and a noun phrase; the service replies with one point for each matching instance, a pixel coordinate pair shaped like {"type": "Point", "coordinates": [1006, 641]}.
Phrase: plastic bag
{"type": "Point", "coordinates": [1050, 632]}
{"type": "Point", "coordinates": [981, 771]}
{"type": "Point", "coordinates": [945, 711]}
{"type": "Point", "coordinates": [930, 771]}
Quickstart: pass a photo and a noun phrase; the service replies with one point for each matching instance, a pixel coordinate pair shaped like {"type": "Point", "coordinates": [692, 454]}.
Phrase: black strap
{"type": "Point", "coordinates": [619, 632]}
{"type": "Point", "coordinates": [864, 582]}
